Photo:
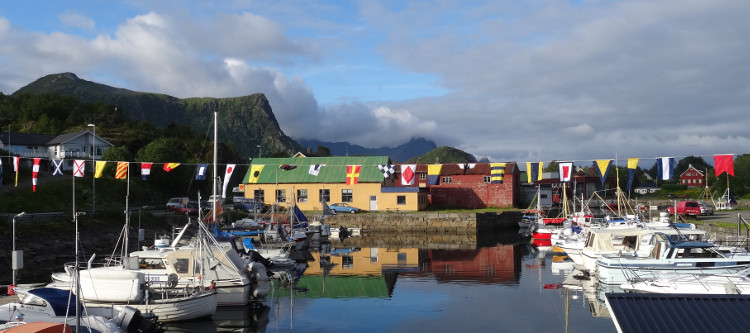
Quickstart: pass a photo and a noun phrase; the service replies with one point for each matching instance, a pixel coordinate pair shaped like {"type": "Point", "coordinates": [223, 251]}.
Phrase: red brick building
{"type": "Point", "coordinates": [466, 185]}
{"type": "Point", "coordinates": [692, 177]}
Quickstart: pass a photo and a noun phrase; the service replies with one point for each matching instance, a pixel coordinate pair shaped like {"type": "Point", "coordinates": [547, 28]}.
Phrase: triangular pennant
{"type": "Point", "coordinates": [632, 166]}
{"type": "Point", "coordinates": [227, 174]}
{"type": "Point", "coordinates": [602, 168]}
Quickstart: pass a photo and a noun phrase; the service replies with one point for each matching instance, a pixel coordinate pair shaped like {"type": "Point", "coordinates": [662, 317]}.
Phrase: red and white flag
{"type": "Point", "coordinates": [145, 170]}
{"type": "Point", "coordinates": [227, 175]}
{"type": "Point", "coordinates": [566, 171]}
{"type": "Point", "coordinates": [79, 166]}
{"type": "Point", "coordinates": [16, 161]}
{"type": "Point", "coordinates": [34, 173]}
{"type": "Point", "coordinates": [408, 171]}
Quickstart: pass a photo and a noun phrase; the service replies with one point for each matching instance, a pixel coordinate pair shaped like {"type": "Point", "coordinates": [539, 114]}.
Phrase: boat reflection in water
{"type": "Point", "coordinates": [366, 284]}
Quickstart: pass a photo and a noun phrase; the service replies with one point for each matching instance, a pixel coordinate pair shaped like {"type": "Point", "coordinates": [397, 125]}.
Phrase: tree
{"type": "Point", "coordinates": [117, 154]}
{"type": "Point", "coordinates": [323, 151]}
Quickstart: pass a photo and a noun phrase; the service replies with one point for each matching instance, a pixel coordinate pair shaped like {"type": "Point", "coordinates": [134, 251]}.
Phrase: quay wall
{"type": "Point", "coordinates": [428, 222]}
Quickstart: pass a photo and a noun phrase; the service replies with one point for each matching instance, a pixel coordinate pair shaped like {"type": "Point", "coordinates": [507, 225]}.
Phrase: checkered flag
{"type": "Point", "coordinates": [387, 170]}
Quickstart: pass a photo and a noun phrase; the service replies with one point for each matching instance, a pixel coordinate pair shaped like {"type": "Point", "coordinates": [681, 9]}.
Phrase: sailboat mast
{"type": "Point", "coordinates": [213, 188]}
{"type": "Point", "coordinates": [127, 218]}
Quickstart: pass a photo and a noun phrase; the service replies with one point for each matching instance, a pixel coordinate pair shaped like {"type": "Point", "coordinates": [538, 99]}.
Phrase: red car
{"type": "Point", "coordinates": [190, 208]}
{"type": "Point", "coordinates": [689, 207]}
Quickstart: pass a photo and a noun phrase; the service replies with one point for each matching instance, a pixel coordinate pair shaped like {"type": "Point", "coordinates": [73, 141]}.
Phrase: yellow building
{"type": "Point", "coordinates": [357, 181]}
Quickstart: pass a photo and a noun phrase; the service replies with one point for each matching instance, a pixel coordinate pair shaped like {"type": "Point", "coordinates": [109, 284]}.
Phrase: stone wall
{"type": "Point", "coordinates": [427, 222]}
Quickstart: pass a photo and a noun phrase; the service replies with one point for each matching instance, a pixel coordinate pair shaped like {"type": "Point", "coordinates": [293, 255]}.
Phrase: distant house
{"type": "Point", "coordinates": [66, 147]}
{"type": "Point", "coordinates": [646, 188]}
{"type": "Point", "coordinates": [692, 177]}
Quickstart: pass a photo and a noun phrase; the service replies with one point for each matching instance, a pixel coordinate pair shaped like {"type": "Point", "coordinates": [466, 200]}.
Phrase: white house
{"type": "Point", "coordinates": [67, 147]}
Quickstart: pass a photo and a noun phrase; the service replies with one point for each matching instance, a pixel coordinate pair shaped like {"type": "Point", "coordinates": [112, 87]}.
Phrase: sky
{"type": "Point", "coordinates": [520, 81]}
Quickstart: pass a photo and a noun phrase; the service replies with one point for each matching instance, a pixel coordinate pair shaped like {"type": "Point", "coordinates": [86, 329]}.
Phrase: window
{"type": "Point", "coordinates": [301, 195]}
{"type": "Point", "coordinates": [346, 195]}
{"type": "Point", "coordinates": [487, 179]}
{"type": "Point", "coordinates": [446, 180]}
{"type": "Point", "coordinates": [401, 200]}
{"type": "Point", "coordinates": [280, 195]}
{"type": "Point", "coordinates": [347, 262]}
{"type": "Point", "coordinates": [401, 257]}
{"type": "Point", "coordinates": [422, 176]}
{"type": "Point", "coordinates": [259, 195]}
{"type": "Point", "coordinates": [325, 194]}
{"type": "Point", "coordinates": [181, 266]}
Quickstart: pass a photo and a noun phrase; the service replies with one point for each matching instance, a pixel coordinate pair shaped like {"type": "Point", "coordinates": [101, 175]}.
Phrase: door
{"type": "Point", "coordinates": [373, 202]}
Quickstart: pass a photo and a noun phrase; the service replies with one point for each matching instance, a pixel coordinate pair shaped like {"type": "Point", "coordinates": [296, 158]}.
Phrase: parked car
{"type": "Point", "coordinates": [688, 207]}
{"type": "Point", "coordinates": [344, 208]}
{"type": "Point", "coordinates": [248, 205]}
{"type": "Point", "coordinates": [190, 208]}
{"type": "Point", "coordinates": [176, 202]}
{"type": "Point", "coordinates": [706, 209]}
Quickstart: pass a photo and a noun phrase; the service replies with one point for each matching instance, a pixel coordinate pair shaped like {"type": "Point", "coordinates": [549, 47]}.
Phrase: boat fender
{"type": "Point", "coordinates": [212, 286]}
{"type": "Point", "coordinates": [172, 280]}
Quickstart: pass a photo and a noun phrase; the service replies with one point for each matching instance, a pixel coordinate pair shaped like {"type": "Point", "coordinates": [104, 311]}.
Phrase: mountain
{"type": "Point", "coordinates": [444, 154]}
{"type": "Point", "coordinates": [415, 147]}
{"type": "Point", "coordinates": [246, 121]}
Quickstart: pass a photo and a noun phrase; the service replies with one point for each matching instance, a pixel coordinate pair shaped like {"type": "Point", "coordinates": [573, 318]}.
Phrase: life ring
{"type": "Point", "coordinates": [172, 280]}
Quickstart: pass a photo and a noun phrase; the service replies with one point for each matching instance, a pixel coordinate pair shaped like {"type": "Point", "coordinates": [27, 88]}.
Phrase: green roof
{"type": "Point", "coordinates": [334, 170]}
{"type": "Point", "coordinates": [316, 286]}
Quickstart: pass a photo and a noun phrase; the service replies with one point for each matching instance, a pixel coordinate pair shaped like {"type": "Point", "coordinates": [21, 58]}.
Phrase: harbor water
{"type": "Point", "coordinates": [503, 283]}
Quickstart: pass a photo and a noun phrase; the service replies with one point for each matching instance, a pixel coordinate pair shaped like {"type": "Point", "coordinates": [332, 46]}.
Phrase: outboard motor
{"type": "Point", "coordinates": [130, 320]}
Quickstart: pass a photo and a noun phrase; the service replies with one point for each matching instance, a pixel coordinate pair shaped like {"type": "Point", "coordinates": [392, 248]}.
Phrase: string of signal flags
{"type": "Point", "coordinates": [665, 168]}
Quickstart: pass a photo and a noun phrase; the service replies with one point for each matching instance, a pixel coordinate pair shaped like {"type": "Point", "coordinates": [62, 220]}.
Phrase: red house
{"type": "Point", "coordinates": [467, 185]}
{"type": "Point", "coordinates": [692, 177]}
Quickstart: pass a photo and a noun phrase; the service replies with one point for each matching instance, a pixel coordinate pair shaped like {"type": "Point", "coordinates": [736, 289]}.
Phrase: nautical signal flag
{"type": "Point", "coordinates": [145, 170]}
{"type": "Point", "coordinates": [170, 166]}
{"type": "Point", "coordinates": [57, 164]}
{"type": "Point", "coordinates": [566, 171]}
{"type": "Point", "coordinates": [34, 173]}
{"type": "Point", "coordinates": [122, 170]}
{"type": "Point", "coordinates": [724, 163]}
{"type": "Point", "coordinates": [632, 165]}
{"type": "Point", "coordinates": [254, 173]}
{"type": "Point", "coordinates": [16, 161]}
{"type": "Point", "coordinates": [200, 171]}
{"type": "Point", "coordinates": [352, 174]}
{"type": "Point", "coordinates": [227, 174]}
{"type": "Point", "coordinates": [408, 171]}
{"type": "Point", "coordinates": [665, 167]}
{"type": "Point", "coordinates": [79, 166]}
{"type": "Point", "coordinates": [387, 169]}
{"type": "Point", "coordinates": [433, 173]}
{"type": "Point", "coordinates": [99, 168]}
{"type": "Point", "coordinates": [534, 171]}
{"type": "Point", "coordinates": [602, 168]}
{"type": "Point", "coordinates": [287, 167]}
{"type": "Point", "coordinates": [315, 169]}
{"type": "Point", "coordinates": [497, 172]}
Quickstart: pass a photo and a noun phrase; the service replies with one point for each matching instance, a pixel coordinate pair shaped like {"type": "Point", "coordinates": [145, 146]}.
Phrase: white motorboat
{"type": "Point", "coordinates": [736, 283]}
{"type": "Point", "coordinates": [669, 258]}
{"type": "Point", "coordinates": [59, 306]}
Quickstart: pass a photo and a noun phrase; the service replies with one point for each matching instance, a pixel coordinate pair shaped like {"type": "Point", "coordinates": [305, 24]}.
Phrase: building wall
{"type": "Point", "coordinates": [471, 191]}
{"type": "Point", "coordinates": [361, 194]}
{"type": "Point", "coordinates": [368, 261]}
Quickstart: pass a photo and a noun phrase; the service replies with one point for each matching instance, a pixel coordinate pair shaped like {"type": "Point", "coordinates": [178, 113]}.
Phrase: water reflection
{"type": "Point", "coordinates": [359, 285]}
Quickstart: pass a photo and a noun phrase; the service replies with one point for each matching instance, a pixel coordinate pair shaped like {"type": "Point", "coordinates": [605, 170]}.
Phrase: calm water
{"type": "Point", "coordinates": [495, 287]}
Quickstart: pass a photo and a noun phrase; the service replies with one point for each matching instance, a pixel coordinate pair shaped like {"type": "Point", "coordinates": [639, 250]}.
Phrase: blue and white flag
{"type": "Point", "coordinates": [57, 164]}
{"type": "Point", "coordinates": [665, 168]}
{"type": "Point", "coordinates": [200, 172]}
{"type": "Point", "coordinates": [387, 169]}
{"type": "Point", "coordinates": [315, 169]}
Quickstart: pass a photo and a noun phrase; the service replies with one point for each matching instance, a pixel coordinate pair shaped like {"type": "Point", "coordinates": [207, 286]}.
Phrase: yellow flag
{"type": "Point", "coordinates": [99, 168]}
{"type": "Point", "coordinates": [254, 173]}
{"type": "Point", "coordinates": [633, 163]}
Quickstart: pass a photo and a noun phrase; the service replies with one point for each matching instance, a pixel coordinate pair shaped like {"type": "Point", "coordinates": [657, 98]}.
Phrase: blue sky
{"type": "Point", "coordinates": [536, 80]}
